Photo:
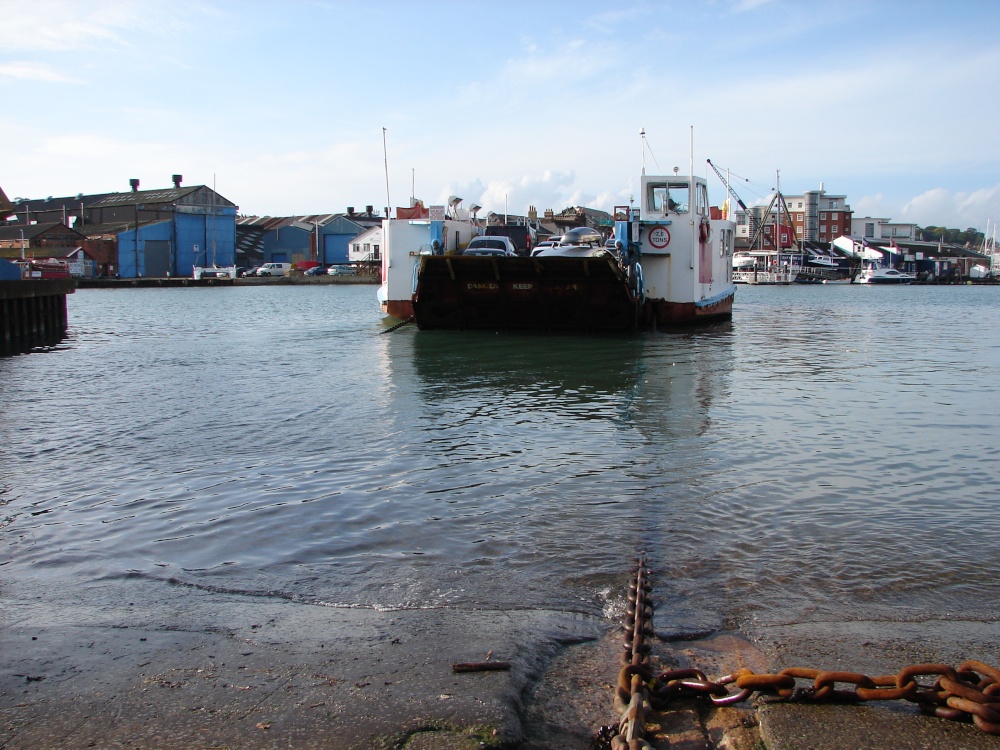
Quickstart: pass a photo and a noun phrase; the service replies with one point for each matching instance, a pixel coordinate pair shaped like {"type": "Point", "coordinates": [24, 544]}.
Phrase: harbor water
{"type": "Point", "coordinates": [829, 454]}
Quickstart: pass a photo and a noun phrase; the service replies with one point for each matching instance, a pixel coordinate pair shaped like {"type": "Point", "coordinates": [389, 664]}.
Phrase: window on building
{"type": "Point", "coordinates": [822, 216]}
{"type": "Point", "coordinates": [834, 204]}
{"type": "Point", "coordinates": [834, 215]}
{"type": "Point", "coordinates": [741, 219]}
{"type": "Point", "coordinates": [375, 253]}
{"type": "Point", "coordinates": [800, 205]}
{"type": "Point", "coordinates": [869, 229]}
{"type": "Point", "coordinates": [822, 228]}
{"type": "Point", "coordinates": [798, 217]}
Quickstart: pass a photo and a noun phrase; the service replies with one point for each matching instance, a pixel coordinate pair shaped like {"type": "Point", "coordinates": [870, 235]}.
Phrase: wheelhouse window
{"type": "Point", "coordinates": [671, 196]}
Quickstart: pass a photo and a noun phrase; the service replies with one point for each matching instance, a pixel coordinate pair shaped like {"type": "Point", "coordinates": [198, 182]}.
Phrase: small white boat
{"type": "Point", "coordinates": [213, 272]}
{"type": "Point", "coordinates": [879, 275]}
{"type": "Point", "coordinates": [742, 260]}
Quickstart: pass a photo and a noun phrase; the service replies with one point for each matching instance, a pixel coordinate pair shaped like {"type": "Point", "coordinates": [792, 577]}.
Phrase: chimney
{"type": "Point", "coordinates": [177, 180]}
{"type": "Point", "coordinates": [532, 213]}
{"type": "Point", "coordinates": [369, 209]}
{"type": "Point", "coordinates": [350, 210]}
{"type": "Point", "coordinates": [135, 185]}
{"type": "Point", "coordinates": [549, 215]}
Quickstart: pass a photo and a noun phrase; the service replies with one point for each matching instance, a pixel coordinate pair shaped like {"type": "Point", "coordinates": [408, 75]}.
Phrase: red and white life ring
{"type": "Point", "coordinates": [704, 232]}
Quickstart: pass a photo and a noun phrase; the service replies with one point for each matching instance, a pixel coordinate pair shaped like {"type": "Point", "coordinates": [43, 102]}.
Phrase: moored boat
{"type": "Point", "coordinates": [671, 264]}
{"type": "Point", "coordinates": [213, 272]}
{"type": "Point", "coordinates": [880, 275]}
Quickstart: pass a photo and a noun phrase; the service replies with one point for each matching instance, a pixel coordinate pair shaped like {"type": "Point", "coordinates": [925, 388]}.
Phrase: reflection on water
{"type": "Point", "coordinates": [825, 454]}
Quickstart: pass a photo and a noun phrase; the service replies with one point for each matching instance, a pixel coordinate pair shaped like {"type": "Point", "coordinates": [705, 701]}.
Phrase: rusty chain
{"type": "Point", "coordinates": [632, 694]}
{"type": "Point", "coordinates": [970, 691]}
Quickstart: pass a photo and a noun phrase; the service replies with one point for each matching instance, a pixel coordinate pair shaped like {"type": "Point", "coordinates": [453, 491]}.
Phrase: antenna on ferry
{"type": "Point", "coordinates": [385, 154]}
{"type": "Point", "coordinates": [642, 147]}
{"type": "Point", "coordinates": [692, 152]}
{"type": "Point", "coordinates": [691, 195]}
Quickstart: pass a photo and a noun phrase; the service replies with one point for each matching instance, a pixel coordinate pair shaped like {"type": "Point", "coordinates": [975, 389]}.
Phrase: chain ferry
{"type": "Point", "coordinates": [670, 264]}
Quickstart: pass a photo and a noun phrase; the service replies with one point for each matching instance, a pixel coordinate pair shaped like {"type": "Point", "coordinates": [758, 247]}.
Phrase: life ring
{"type": "Point", "coordinates": [704, 232]}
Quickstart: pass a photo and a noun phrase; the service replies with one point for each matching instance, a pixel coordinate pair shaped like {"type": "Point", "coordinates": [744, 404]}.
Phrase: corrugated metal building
{"type": "Point", "coordinates": [178, 227]}
{"type": "Point", "coordinates": [323, 238]}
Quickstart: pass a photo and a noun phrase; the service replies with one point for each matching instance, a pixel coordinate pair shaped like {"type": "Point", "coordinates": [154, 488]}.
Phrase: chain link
{"type": "Point", "coordinates": [970, 692]}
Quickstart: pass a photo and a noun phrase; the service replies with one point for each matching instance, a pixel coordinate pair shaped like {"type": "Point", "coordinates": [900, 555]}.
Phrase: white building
{"type": "Point", "coordinates": [367, 246]}
{"type": "Point", "coordinates": [882, 229]}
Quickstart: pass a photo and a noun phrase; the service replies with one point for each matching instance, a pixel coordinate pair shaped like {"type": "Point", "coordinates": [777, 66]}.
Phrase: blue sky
{"type": "Point", "coordinates": [282, 105]}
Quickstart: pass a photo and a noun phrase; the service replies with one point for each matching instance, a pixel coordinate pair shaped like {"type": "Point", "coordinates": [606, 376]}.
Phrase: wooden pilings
{"type": "Point", "coordinates": [32, 313]}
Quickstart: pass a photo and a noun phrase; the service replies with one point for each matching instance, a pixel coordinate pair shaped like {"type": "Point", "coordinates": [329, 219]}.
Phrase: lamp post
{"type": "Point", "coordinates": [134, 184]}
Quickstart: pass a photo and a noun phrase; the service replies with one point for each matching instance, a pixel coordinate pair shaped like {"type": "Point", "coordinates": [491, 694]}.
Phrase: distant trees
{"type": "Point", "coordinates": [971, 237]}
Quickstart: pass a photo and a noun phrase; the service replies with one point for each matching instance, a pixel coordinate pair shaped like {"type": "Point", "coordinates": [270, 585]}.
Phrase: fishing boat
{"type": "Point", "coordinates": [671, 264]}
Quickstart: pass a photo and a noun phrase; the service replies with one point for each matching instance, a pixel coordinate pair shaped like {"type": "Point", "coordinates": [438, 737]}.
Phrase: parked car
{"type": "Point", "coordinates": [243, 272]}
{"type": "Point", "coordinates": [274, 269]}
{"type": "Point", "coordinates": [342, 271]}
{"type": "Point", "coordinates": [547, 244]}
{"type": "Point", "coordinates": [491, 245]}
{"type": "Point", "coordinates": [316, 271]}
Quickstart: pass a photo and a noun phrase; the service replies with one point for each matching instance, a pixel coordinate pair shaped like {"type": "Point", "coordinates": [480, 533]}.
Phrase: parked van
{"type": "Point", "coordinates": [274, 269]}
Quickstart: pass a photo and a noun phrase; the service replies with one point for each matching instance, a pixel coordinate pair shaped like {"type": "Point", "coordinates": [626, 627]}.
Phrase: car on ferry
{"type": "Point", "coordinates": [495, 245]}
{"type": "Point", "coordinates": [544, 245]}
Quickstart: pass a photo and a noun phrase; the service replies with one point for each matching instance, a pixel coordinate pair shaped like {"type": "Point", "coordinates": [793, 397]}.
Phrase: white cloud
{"type": "Point", "coordinates": [547, 190]}
{"type": "Point", "coordinates": [742, 6]}
{"type": "Point", "coordinates": [24, 70]}
{"type": "Point", "coordinates": [874, 206]}
{"type": "Point", "coordinates": [941, 207]}
{"type": "Point", "coordinates": [59, 26]}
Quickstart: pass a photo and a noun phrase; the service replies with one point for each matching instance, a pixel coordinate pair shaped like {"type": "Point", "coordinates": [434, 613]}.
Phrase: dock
{"type": "Point", "coordinates": [32, 314]}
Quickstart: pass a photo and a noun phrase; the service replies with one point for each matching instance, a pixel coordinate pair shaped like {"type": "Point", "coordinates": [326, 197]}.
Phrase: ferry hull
{"type": "Point", "coordinates": [544, 294]}
{"type": "Point", "coordinates": [524, 294]}
{"type": "Point", "coordinates": [660, 313]}
{"type": "Point", "coordinates": [398, 308]}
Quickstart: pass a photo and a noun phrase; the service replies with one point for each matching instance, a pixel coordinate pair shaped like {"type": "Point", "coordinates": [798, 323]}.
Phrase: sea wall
{"type": "Point", "coordinates": [32, 313]}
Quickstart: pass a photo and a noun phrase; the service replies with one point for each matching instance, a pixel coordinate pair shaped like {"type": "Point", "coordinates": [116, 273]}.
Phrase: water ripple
{"type": "Point", "coordinates": [831, 453]}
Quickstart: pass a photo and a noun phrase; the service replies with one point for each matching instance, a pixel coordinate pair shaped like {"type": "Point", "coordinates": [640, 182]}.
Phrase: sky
{"type": "Point", "coordinates": [311, 106]}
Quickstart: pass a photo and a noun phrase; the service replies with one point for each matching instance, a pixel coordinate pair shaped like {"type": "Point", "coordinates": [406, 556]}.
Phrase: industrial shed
{"type": "Point", "coordinates": [178, 227]}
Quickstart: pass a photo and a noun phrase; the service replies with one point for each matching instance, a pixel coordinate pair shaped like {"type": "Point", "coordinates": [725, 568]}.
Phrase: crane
{"type": "Point", "coordinates": [755, 229]}
{"type": "Point", "coordinates": [739, 201]}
